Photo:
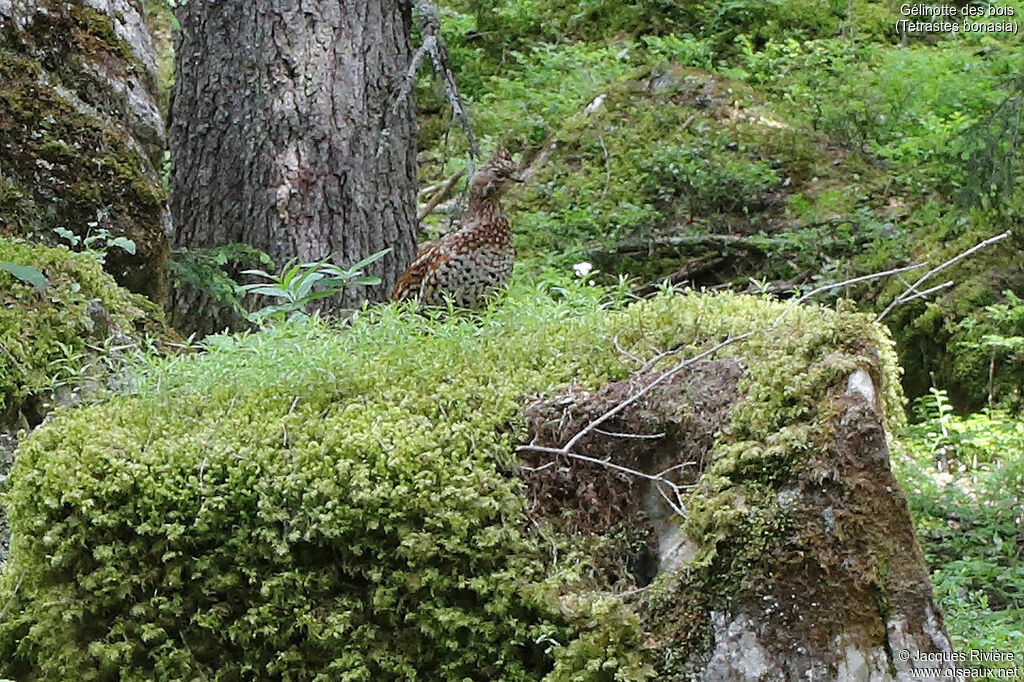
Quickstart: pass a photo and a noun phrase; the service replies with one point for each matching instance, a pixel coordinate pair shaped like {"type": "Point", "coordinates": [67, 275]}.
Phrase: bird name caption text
{"type": "Point", "coordinates": [993, 18]}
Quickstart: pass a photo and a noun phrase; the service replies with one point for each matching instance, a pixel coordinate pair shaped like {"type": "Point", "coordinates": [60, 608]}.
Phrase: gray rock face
{"type": "Point", "coordinates": [747, 646]}
{"type": "Point", "coordinates": [87, 139]}
{"type": "Point", "coordinates": [808, 606]}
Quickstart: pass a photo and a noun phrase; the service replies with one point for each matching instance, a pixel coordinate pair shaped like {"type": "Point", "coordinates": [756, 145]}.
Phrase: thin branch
{"type": "Point", "coordinates": [667, 374]}
{"type": "Point", "coordinates": [602, 462]}
{"type": "Point", "coordinates": [430, 27]}
{"type": "Point", "coordinates": [435, 46]}
{"type": "Point", "coordinates": [441, 193]}
{"type": "Point", "coordinates": [621, 351]}
{"type": "Point", "coordinates": [855, 280]}
{"type": "Point", "coordinates": [657, 358]}
{"type": "Point", "coordinates": [677, 506]}
{"type": "Point", "coordinates": [926, 292]}
{"type": "Point", "coordinates": [905, 296]}
{"type": "Point", "coordinates": [542, 467]}
{"type": "Point", "coordinates": [607, 168]}
{"type": "Point", "coordinates": [682, 465]}
{"type": "Point", "coordinates": [640, 436]}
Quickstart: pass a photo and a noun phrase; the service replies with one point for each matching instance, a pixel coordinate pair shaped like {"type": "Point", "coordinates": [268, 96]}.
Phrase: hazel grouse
{"type": "Point", "coordinates": [475, 258]}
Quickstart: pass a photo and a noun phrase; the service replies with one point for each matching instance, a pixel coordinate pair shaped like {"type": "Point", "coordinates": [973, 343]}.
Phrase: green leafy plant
{"type": "Point", "coordinates": [710, 179]}
{"type": "Point", "coordinates": [96, 244]}
{"type": "Point", "coordinates": [964, 480]}
{"type": "Point", "coordinates": [300, 283]}
{"type": "Point", "coordinates": [996, 339]}
{"type": "Point", "coordinates": [993, 161]}
{"type": "Point", "coordinates": [25, 273]}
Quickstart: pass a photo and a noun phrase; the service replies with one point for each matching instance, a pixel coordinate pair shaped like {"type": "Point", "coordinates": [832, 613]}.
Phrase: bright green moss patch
{"type": "Point", "coordinates": [44, 332]}
{"type": "Point", "coordinates": [340, 502]}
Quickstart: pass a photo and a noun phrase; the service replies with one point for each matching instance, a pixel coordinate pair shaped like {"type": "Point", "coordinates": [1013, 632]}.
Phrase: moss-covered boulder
{"type": "Point", "coordinates": [47, 332]}
{"type": "Point", "coordinates": [323, 502]}
{"type": "Point", "coordinates": [81, 137]}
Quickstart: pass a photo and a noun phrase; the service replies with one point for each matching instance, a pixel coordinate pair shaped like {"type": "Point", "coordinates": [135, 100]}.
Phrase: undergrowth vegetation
{"type": "Point", "coordinates": [819, 145]}
{"type": "Point", "coordinates": [830, 146]}
{"type": "Point", "coordinates": [340, 499]}
{"type": "Point", "coordinates": [964, 478]}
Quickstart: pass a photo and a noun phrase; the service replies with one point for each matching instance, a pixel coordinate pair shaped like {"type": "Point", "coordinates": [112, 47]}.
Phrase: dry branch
{"type": "Point", "coordinates": [907, 294]}
{"type": "Point", "coordinates": [440, 195]}
{"type": "Point", "coordinates": [435, 45]}
{"type": "Point", "coordinates": [436, 48]}
{"type": "Point", "coordinates": [659, 479]}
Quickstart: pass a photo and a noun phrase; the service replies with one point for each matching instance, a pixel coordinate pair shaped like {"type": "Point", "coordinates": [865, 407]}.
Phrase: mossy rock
{"type": "Point", "coordinates": [81, 138]}
{"type": "Point", "coordinates": [324, 502]}
{"type": "Point", "coordinates": [45, 331]}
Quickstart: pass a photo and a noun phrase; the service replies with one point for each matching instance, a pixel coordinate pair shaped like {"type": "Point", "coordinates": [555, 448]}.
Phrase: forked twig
{"type": "Point", "coordinates": [430, 28]}
{"type": "Point", "coordinates": [907, 294]}
{"type": "Point", "coordinates": [436, 48]}
{"type": "Point", "coordinates": [835, 285]}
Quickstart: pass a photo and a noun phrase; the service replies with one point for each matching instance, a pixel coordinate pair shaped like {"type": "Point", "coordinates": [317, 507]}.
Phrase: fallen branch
{"type": "Point", "coordinates": [846, 282]}
{"type": "Point", "coordinates": [440, 195]}
{"type": "Point", "coordinates": [907, 294]}
{"type": "Point", "coordinates": [926, 292]}
{"type": "Point", "coordinates": [697, 266]}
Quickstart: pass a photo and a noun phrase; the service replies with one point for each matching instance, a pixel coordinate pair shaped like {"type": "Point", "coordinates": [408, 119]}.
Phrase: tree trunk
{"type": "Point", "coordinates": [292, 131]}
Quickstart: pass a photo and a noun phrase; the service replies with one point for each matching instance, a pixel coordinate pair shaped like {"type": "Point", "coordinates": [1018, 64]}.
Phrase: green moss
{"type": "Point", "coordinates": [44, 332]}
{"type": "Point", "coordinates": [64, 168]}
{"type": "Point", "coordinates": [338, 501]}
{"type": "Point", "coordinates": [733, 514]}
{"type": "Point", "coordinates": [95, 34]}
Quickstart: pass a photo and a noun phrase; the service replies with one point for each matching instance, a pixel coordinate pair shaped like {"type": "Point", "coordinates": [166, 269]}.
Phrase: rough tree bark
{"type": "Point", "coordinates": [291, 132]}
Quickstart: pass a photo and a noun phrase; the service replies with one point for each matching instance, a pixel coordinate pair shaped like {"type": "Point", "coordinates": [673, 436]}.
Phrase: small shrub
{"type": "Point", "coordinates": [710, 180]}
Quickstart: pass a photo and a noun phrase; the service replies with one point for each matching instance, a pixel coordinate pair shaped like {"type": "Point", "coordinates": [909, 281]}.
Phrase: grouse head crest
{"type": "Point", "coordinates": [495, 176]}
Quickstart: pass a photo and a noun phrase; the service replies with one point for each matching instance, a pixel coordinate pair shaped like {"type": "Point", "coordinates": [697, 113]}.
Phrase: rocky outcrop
{"type": "Point", "coordinates": [791, 558]}
{"type": "Point", "coordinates": [81, 137]}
